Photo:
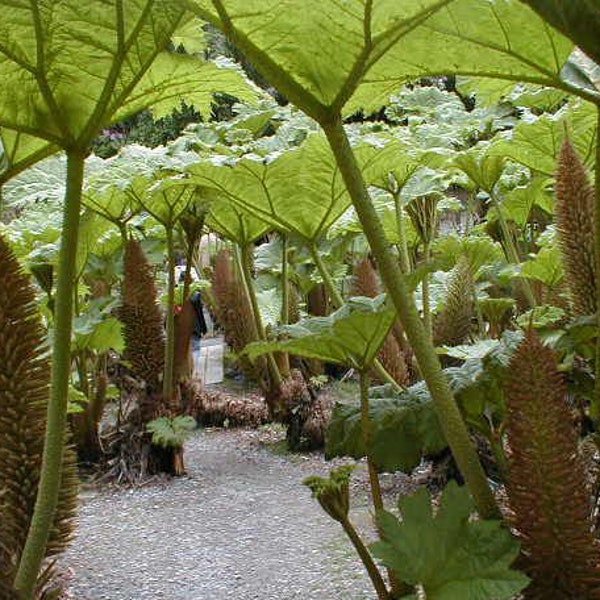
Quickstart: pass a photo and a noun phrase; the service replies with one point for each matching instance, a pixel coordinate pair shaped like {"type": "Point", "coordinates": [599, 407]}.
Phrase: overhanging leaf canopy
{"type": "Point", "coordinates": [502, 39]}
{"type": "Point", "coordinates": [326, 55]}
{"type": "Point", "coordinates": [352, 55]}
{"type": "Point", "coordinates": [69, 68]}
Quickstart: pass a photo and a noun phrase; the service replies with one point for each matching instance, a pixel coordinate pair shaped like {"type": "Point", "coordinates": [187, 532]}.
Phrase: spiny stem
{"type": "Point", "coordinates": [425, 294]}
{"type": "Point", "coordinates": [334, 294]}
{"type": "Point", "coordinates": [398, 586]}
{"type": "Point", "coordinates": [401, 231]}
{"type": "Point", "coordinates": [367, 439]}
{"type": "Point", "coordinates": [449, 415]}
{"type": "Point", "coordinates": [51, 470]}
{"type": "Point", "coordinates": [285, 301]}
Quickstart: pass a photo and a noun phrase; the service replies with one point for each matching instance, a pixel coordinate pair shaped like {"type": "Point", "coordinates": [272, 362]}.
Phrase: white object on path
{"type": "Point", "coordinates": [208, 361]}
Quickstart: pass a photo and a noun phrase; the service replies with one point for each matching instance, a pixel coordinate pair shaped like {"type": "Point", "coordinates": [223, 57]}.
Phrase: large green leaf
{"type": "Point", "coordinates": [536, 142]}
{"type": "Point", "coordinates": [110, 190]}
{"type": "Point", "coordinates": [451, 557]}
{"type": "Point", "coordinates": [324, 45]}
{"type": "Point", "coordinates": [228, 220]}
{"type": "Point", "coordinates": [503, 39]}
{"type": "Point", "coordinates": [519, 202]}
{"type": "Point", "coordinates": [300, 191]}
{"type": "Point", "coordinates": [328, 55]}
{"type": "Point", "coordinates": [44, 183]}
{"type": "Point", "coordinates": [480, 250]}
{"type": "Point", "coordinates": [95, 332]}
{"type": "Point", "coordinates": [577, 19]}
{"type": "Point", "coordinates": [402, 430]}
{"type": "Point", "coordinates": [546, 266]}
{"type": "Point", "coordinates": [173, 77]}
{"type": "Point", "coordinates": [350, 336]}
{"type": "Point", "coordinates": [142, 177]}
{"type": "Point", "coordinates": [69, 68]}
{"type": "Point", "coordinates": [19, 151]}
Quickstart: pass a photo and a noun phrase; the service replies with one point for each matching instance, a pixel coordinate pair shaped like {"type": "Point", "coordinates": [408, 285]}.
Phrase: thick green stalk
{"type": "Point", "coordinates": [187, 277]}
{"type": "Point", "coordinates": [596, 401]}
{"type": "Point", "coordinates": [243, 260]}
{"type": "Point", "coordinates": [285, 289]}
{"type": "Point", "coordinates": [512, 253]}
{"type": "Point", "coordinates": [449, 415]}
{"type": "Point", "coordinates": [337, 301]}
{"type": "Point", "coordinates": [365, 557]}
{"type": "Point", "coordinates": [425, 294]}
{"type": "Point", "coordinates": [285, 300]}
{"type": "Point", "coordinates": [366, 434]}
{"type": "Point", "coordinates": [50, 475]}
{"type": "Point", "coordinates": [334, 294]}
{"type": "Point", "coordinates": [169, 375]}
{"type": "Point", "coordinates": [399, 588]}
{"type": "Point", "coordinates": [401, 230]}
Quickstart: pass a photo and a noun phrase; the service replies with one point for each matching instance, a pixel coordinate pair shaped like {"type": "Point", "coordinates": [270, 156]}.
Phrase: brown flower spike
{"type": "Point", "coordinates": [547, 483]}
{"type": "Point", "coordinates": [24, 392]}
{"type": "Point", "coordinates": [574, 212]}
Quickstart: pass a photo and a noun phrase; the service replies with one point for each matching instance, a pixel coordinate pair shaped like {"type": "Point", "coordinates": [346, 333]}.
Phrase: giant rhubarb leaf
{"type": "Point", "coordinates": [351, 336]}
{"type": "Point", "coordinates": [449, 556]}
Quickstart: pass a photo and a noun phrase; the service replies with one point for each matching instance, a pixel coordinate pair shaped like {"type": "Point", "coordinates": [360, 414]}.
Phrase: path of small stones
{"type": "Point", "coordinates": [240, 527]}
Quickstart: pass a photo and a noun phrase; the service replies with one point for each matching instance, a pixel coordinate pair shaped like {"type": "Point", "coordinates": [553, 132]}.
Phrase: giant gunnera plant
{"type": "Point", "coordinates": [24, 391]}
{"type": "Point", "coordinates": [547, 482]}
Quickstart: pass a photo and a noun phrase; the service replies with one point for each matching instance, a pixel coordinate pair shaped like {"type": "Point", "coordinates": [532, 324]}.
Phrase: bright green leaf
{"type": "Point", "coordinates": [351, 336]}
{"type": "Point", "coordinates": [449, 556]}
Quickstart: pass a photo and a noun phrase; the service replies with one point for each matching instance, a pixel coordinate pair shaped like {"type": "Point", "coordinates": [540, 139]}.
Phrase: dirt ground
{"type": "Point", "coordinates": [240, 526]}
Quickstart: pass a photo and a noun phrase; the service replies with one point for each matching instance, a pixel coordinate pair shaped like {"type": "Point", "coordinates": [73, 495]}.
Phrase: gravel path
{"type": "Point", "coordinates": [241, 526]}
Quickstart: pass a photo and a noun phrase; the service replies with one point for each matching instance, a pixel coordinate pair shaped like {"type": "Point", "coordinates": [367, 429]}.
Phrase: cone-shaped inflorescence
{"type": "Point", "coordinates": [234, 312]}
{"type": "Point", "coordinates": [366, 283]}
{"type": "Point", "coordinates": [24, 391]}
{"type": "Point", "coordinates": [453, 323]}
{"type": "Point", "coordinates": [142, 325]}
{"type": "Point", "coordinates": [575, 223]}
{"type": "Point", "coordinates": [547, 484]}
